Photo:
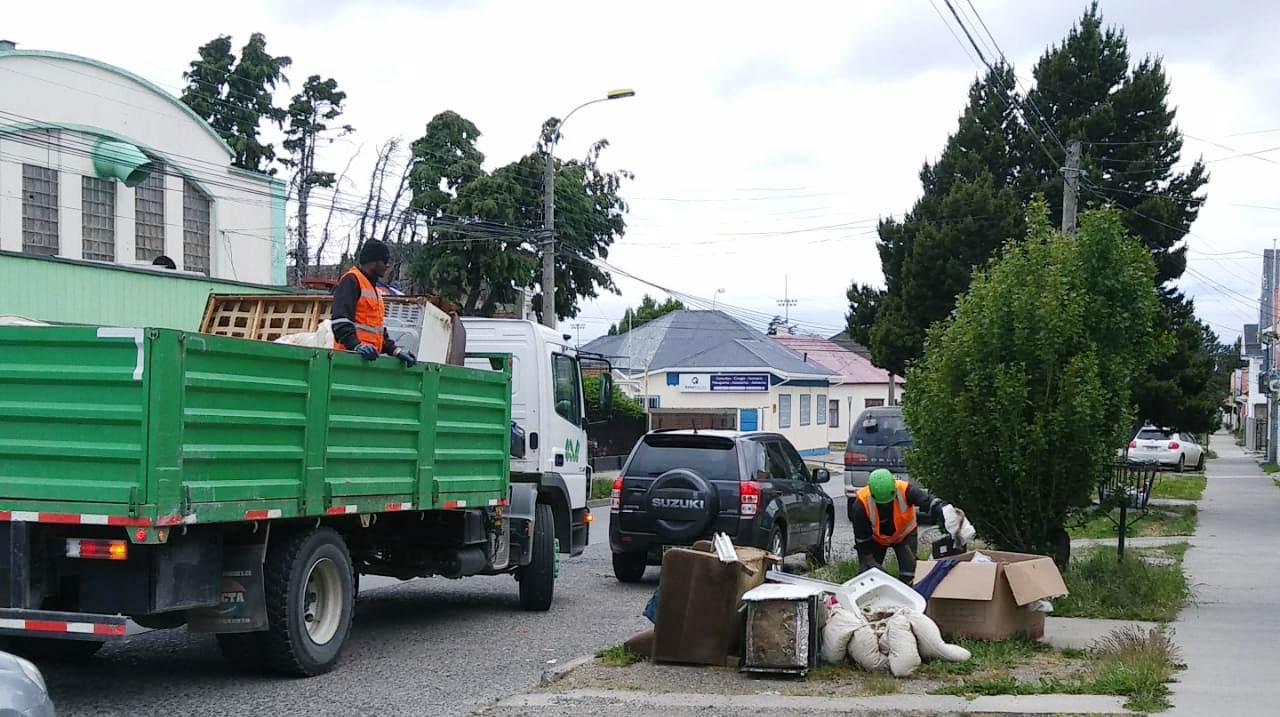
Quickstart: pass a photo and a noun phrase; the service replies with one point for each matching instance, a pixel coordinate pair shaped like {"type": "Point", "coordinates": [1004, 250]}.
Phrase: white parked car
{"type": "Point", "coordinates": [1168, 448]}
{"type": "Point", "coordinates": [22, 690]}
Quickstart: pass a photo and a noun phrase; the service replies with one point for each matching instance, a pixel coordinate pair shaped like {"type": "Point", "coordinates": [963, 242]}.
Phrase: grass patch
{"type": "Point", "coordinates": [601, 488]}
{"type": "Point", "coordinates": [880, 684]}
{"type": "Point", "coordinates": [1180, 487]}
{"type": "Point", "coordinates": [1270, 468]}
{"type": "Point", "coordinates": [1103, 587]}
{"type": "Point", "coordinates": [1130, 663]}
{"type": "Point", "coordinates": [1157, 522]}
{"type": "Point", "coordinates": [987, 656]}
{"type": "Point", "coordinates": [618, 656]}
{"type": "Point", "coordinates": [1210, 454]}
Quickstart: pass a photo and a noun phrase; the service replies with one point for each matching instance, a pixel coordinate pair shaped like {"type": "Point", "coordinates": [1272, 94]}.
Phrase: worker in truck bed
{"type": "Point", "coordinates": [358, 312]}
{"type": "Point", "coordinates": [887, 519]}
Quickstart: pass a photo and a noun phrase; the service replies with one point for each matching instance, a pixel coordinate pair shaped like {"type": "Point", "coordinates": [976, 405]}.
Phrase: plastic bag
{"type": "Point", "coordinates": [837, 632]}
{"type": "Point", "coordinates": [957, 525]}
{"type": "Point", "coordinates": [929, 640]}
{"type": "Point", "coordinates": [321, 338]}
{"type": "Point", "coordinates": [864, 649]}
{"type": "Point", "coordinates": [904, 655]}
{"type": "Point", "coordinates": [979, 557]}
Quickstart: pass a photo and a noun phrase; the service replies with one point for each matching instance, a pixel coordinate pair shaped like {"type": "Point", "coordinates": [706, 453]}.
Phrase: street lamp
{"type": "Point", "coordinates": [549, 210]}
{"type": "Point", "coordinates": [714, 297]}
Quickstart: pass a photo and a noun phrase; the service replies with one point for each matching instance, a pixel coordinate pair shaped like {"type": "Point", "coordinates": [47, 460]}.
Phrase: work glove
{"type": "Point", "coordinates": [367, 352]}
{"type": "Point", "coordinates": [406, 357]}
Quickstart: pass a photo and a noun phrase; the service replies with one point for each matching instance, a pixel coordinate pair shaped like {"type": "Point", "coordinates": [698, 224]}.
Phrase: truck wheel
{"type": "Point", "coordinates": [538, 578]}
{"type": "Point", "coordinates": [309, 602]}
{"type": "Point", "coordinates": [629, 567]}
{"type": "Point", "coordinates": [39, 649]}
{"type": "Point", "coordinates": [242, 650]}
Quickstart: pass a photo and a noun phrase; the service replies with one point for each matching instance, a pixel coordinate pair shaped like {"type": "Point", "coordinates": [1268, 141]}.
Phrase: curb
{"type": "Point", "coordinates": [555, 673]}
{"type": "Point", "coordinates": [598, 503]}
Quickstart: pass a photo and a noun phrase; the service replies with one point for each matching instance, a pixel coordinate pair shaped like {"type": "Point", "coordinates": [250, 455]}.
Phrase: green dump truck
{"type": "Point", "coordinates": [242, 487]}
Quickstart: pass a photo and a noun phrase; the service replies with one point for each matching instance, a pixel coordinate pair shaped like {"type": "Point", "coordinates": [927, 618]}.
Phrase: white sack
{"type": "Point", "coordinates": [904, 656]}
{"type": "Point", "coordinates": [929, 640]}
{"type": "Point", "coordinates": [321, 338]}
{"type": "Point", "coordinates": [957, 525]}
{"type": "Point", "coordinates": [837, 632]}
{"type": "Point", "coordinates": [864, 649]}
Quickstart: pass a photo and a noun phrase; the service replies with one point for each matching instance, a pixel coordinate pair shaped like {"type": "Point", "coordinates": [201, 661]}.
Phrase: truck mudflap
{"type": "Point", "coordinates": [61, 625]}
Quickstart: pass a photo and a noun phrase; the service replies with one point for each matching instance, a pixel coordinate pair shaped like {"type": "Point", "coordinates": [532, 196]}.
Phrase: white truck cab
{"type": "Point", "coordinates": [547, 403]}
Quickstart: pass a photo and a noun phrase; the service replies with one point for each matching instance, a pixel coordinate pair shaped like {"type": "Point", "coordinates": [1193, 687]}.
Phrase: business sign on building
{"type": "Point", "coordinates": [724, 382]}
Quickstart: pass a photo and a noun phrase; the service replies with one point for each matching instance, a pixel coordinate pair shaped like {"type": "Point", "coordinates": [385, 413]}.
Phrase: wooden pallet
{"type": "Point", "coordinates": [264, 317]}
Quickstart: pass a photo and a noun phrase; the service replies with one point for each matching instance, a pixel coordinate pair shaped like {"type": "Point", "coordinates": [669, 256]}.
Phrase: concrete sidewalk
{"type": "Point", "coordinates": [1229, 633]}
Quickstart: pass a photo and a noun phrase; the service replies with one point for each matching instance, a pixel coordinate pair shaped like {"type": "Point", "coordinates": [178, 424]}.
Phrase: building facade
{"type": "Point", "coordinates": [100, 165]}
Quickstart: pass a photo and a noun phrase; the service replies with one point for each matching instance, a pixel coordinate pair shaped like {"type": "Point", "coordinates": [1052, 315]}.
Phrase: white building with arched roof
{"type": "Point", "coordinates": [100, 165]}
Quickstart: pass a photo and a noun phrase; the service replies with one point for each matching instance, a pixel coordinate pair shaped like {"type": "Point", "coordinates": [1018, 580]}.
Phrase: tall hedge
{"type": "Point", "coordinates": [1024, 394]}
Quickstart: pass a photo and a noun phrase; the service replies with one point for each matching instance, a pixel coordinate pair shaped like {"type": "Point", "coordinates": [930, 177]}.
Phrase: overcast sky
{"type": "Point", "coordinates": [765, 138]}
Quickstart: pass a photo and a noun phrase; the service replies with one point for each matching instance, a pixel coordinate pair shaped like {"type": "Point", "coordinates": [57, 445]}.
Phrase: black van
{"type": "Point", "coordinates": [680, 486]}
{"type": "Point", "coordinates": [878, 439]}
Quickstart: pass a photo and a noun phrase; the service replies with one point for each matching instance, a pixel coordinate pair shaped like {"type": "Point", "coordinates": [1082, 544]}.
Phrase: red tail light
{"type": "Point", "coordinates": [1133, 444]}
{"type": "Point", "coordinates": [1173, 445]}
{"type": "Point", "coordinates": [97, 549]}
{"type": "Point", "coordinates": [615, 496]}
{"type": "Point", "coordinates": [748, 498]}
{"type": "Point", "coordinates": [853, 458]}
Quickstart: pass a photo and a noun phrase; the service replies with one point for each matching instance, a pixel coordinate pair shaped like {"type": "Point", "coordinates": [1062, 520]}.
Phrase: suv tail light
{"type": "Point", "coordinates": [615, 496]}
{"type": "Point", "coordinates": [748, 498]}
{"type": "Point", "coordinates": [852, 458]}
{"type": "Point", "coordinates": [1133, 444]}
{"type": "Point", "coordinates": [1173, 445]}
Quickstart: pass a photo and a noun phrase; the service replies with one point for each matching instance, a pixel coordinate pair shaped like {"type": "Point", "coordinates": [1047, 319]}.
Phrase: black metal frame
{"type": "Point", "coordinates": [1127, 486]}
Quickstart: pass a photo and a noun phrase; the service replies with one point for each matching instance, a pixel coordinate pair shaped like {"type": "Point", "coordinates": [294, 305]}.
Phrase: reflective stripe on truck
{"type": "Point", "coordinates": [61, 624]}
{"type": "Point", "coordinates": [26, 516]}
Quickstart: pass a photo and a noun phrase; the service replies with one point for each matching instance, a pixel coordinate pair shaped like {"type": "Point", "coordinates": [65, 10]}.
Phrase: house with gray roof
{"type": "Point", "coordinates": [693, 363]}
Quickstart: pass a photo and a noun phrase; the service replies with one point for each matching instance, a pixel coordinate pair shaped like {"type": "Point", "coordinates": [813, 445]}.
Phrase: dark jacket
{"type": "Point", "coordinates": [916, 496]}
{"type": "Point", "coordinates": [345, 295]}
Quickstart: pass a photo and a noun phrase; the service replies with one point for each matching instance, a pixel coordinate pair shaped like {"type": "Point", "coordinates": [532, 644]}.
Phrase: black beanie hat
{"type": "Point", "coordinates": [374, 250]}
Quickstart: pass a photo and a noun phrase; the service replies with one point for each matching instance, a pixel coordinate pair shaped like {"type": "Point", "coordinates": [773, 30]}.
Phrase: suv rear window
{"type": "Point", "coordinates": [889, 430]}
{"type": "Point", "coordinates": [1152, 434]}
{"type": "Point", "coordinates": [715, 457]}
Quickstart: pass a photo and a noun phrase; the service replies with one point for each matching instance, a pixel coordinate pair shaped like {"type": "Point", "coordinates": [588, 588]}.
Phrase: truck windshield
{"type": "Point", "coordinates": [713, 457]}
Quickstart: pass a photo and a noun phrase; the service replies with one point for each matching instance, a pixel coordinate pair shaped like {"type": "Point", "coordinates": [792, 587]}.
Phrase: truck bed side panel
{"type": "Point", "coordinates": [473, 429]}
{"type": "Point", "coordinates": [73, 418]}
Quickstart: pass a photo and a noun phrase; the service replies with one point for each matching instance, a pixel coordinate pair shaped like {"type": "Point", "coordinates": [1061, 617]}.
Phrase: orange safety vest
{"type": "Point", "coordinates": [904, 514]}
{"type": "Point", "coordinates": [370, 313]}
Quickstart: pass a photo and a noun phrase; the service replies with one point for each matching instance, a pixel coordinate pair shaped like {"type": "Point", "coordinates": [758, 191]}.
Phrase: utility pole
{"type": "Point", "coordinates": [786, 302]}
{"type": "Point", "coordinates": [549, 241]}
{"type": "Point", "coordinates": [1273, 405]}
{"type": "Point", "coordinates": [577, 332]}
{"type": "Point", "coordinates": [1071, 188]}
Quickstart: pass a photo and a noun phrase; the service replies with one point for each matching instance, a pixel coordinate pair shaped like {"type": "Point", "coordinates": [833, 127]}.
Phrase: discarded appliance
{"type": "Point", "coordinates": [698, 620]}
{"type": "Point", "coordinates": [988, 595]}
{"type": "Point", "coordinates": [782, 629]}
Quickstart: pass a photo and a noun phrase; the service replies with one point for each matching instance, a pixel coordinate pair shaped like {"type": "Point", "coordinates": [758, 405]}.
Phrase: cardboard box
{"type": "Point", "coordinates": [988, 600]}
{"type": "Point", "coordinates": [698, 598]}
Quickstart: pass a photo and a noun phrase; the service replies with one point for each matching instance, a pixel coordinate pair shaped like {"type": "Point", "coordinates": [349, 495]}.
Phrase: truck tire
{"type": "Point", "coordinates": [243, 651]}
{"type": "Point", "coordinates": [629, 567]}
{"type": "Point", "coordinates": [310, 601]}
{"type": "Point", "coordinates": [39, 648]}
{"type": "Point", "coordinates": [538, 578]}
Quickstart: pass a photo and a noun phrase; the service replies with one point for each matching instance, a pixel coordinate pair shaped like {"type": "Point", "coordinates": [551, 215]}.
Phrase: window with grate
{"type": "Point", "coordinates": [98, 218]}
{"type": "Point", "coordinates": [148, 215]}
{"type": "Point", "coordinates": [195, 229]}
{"type": "Point", "coordinates": [39, 210]}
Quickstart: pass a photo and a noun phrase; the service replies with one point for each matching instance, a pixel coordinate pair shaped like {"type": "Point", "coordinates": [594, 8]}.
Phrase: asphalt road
{"type": "Point", "coordinates": [428, 646]}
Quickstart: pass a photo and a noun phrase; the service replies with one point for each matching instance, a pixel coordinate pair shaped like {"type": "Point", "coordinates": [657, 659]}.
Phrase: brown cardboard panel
{"type": "Point", "coordinates": [968, 581]}
{"type": "Point", "coordinates": [1033, 580]}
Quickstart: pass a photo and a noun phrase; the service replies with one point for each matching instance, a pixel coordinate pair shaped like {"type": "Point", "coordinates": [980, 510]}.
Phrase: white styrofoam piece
{"type": "Point", "coordinates": [780, 591]}
{"type": "Point", "coordinates": [724, 548]}
{"type": "Point", "coordinates": [875, 589]}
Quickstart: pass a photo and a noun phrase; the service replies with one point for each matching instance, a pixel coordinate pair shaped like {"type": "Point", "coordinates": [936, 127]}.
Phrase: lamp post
{"type": "Point", "coordinates": [549, 211]}
{"type": "Point", "coordinates": [714, 297]}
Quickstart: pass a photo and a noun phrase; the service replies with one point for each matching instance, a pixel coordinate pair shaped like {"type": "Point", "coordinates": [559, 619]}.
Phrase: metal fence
{"type": "Point", "coordinates": [607, 463]}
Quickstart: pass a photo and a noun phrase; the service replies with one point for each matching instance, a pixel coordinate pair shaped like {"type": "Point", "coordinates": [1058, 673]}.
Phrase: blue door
{"type": "Point", "coordinates": [747, 419]}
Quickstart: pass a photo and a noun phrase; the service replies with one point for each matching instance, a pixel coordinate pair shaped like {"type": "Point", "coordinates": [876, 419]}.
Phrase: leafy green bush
{"type": "Point", "coordinates": [1024, 393]}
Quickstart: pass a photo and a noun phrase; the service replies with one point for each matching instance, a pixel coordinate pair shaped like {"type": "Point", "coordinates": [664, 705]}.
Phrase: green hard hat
{"type": "Point", "coordinates": [882, 485]}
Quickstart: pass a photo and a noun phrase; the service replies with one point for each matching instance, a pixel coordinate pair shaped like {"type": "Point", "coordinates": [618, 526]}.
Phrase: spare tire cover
{"type": "Point", "coordinates": [682, 505]}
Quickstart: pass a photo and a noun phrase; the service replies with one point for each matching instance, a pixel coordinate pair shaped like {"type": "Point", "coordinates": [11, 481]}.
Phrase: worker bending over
{"type": "Point", "coordinates": [358, 312]}
{"type": "Point", "coordinates": [885, 517]}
